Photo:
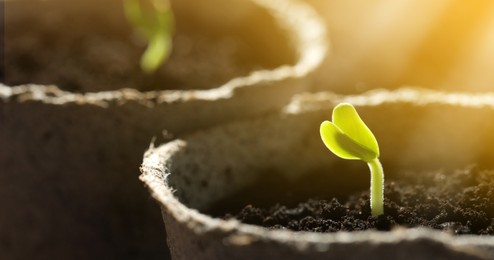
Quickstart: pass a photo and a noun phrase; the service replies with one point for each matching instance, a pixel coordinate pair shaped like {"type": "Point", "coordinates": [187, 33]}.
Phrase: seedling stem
{"type": "Point", "coordinates": [377, 187]}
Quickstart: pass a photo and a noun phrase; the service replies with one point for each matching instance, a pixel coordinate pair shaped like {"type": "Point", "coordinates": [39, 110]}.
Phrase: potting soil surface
{"type": "Point", "coordinates": [460, 202]}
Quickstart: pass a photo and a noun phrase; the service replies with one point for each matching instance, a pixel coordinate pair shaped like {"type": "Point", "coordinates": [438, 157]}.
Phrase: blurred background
{"type": "Point", "coordinates": [441, 44]}
{"type": "Point", "coordinates": [444, 44]}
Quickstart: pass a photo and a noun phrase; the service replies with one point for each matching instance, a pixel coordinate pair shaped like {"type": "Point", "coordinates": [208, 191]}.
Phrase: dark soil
{"type": "Point", "coordinates": [460, 202]}
{"type": "Point", "coordinates": [91, 47]}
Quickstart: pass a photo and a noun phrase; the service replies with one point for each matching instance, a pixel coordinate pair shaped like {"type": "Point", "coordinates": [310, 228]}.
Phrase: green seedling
{"type": "Point", "coordinates": [349, 138]}
{"type": "Point", "coordinates": [153, 19]}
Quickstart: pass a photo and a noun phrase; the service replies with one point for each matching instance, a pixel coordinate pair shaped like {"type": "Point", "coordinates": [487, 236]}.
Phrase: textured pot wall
{"type": "Point", "coordinates": [192, 173]}
{"type": "Point", "coordinates": [68, 177]}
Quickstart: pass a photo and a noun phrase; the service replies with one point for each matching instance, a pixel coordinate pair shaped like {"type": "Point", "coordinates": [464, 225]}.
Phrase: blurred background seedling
{"type": "Point", "coordinates": [154, 21]}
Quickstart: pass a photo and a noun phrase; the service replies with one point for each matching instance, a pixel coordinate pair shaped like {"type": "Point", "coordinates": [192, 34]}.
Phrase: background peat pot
{"type": "Point", "coordinates": [418, 131]}
{"type": "Point", "coordinates": [70, 151]}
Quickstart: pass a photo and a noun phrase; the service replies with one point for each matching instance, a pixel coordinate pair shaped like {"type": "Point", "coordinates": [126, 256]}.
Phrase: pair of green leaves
{"type": "Point", "coordinates": [154, 20]}
{"type": "Point", "coordinates": [347, 136]}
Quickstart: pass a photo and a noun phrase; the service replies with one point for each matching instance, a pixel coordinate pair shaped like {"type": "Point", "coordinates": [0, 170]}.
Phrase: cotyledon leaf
{"type": "Point", "coordinates": [342, 145]}
{"type": "Point", "coordinates": [346, 118]}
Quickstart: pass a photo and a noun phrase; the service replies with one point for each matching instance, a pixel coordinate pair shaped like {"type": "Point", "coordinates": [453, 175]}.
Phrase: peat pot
{"type": "Point", "coordinates": [76, 112]}
{"type": "Point", "coordinates": [418, 131]}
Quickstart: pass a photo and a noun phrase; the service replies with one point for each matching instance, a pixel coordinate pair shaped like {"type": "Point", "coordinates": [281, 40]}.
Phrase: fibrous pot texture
{"type": "Point", "coordinates": [69, 159]}
{"type": "Point", "coordinates": [418, 130]}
